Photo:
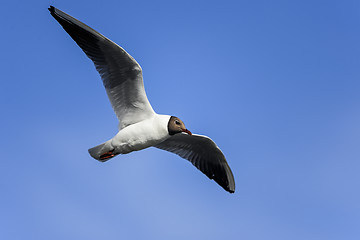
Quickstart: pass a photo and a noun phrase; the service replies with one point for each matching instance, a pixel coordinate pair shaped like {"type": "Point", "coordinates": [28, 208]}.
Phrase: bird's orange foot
{"type": "Point", "coordinates": [107, 155]}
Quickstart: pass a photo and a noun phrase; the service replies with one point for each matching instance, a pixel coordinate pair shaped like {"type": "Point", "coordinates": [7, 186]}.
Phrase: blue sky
{"type": "Point", "coordinates": [274, 83]}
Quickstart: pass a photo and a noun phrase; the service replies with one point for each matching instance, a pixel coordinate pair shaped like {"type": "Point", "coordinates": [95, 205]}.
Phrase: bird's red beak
{"type": "Point", "coordinates": [187, 131]}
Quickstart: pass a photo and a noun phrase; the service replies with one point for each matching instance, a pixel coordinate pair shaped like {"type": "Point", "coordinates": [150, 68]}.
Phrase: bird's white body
{"type": "Point", "coordinates": [144, 134]}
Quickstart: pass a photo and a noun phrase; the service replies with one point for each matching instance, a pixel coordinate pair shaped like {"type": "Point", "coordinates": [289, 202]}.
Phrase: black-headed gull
{"type": "Point", "coordinates": [140, 127]}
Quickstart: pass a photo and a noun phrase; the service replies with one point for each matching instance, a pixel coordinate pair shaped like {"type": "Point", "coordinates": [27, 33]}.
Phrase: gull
{"type": "Point", "coordinates": [139, 126]}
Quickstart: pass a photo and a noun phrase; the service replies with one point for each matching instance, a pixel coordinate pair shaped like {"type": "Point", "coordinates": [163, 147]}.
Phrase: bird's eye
{"type": "Point", "coordinates": [177, 122]}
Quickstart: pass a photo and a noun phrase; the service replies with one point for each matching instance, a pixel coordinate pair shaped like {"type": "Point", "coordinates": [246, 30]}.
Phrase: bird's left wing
{"type": "Point", "coordinates": [204, 154]}
{"type": "Point", "coordinates": [120, 73]}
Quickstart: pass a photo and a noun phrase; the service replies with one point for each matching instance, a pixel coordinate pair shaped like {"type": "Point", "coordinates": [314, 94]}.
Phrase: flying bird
{"type": "Point", "coordinates": [139, 126]}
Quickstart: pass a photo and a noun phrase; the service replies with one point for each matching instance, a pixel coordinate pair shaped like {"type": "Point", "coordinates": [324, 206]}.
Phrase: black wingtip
{"type": "Point", "coordinates": [232, 186]}
{"type": "Point", "coordinates": [51, 9]}
{"type": "Point", "coordinates": [228, 185]}
{"type": "Point", "coordinates": [230, 189]}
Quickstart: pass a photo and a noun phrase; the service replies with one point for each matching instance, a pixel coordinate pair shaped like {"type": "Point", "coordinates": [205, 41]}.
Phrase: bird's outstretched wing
{"type": "Point", "coordinates": [120, 73]}
{"type": "Point", "coordinates": [204, 154]}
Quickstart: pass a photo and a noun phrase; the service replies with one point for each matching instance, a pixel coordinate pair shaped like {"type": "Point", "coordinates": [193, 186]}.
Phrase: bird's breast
{"type": "Point", "coordinates": [140, 135]}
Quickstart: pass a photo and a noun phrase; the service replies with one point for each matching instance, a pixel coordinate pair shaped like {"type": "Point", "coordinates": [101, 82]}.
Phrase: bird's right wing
{"type": "Point", "coordinates": [204, 154]}
{"type": "Point", "coordinates": [120, 73]}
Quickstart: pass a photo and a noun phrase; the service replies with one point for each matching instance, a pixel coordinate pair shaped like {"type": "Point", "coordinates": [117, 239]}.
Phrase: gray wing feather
{"type": "Point", "coordinates": [204, 154]}
{"type": "Point", "coordinates": [120, 73]}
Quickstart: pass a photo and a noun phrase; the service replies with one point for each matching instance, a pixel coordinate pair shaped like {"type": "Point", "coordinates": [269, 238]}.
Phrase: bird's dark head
{"type": "Point", "coordinates": [175, 125]}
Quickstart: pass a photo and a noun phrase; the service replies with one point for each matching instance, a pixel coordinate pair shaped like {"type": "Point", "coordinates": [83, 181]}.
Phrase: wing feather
{"type": "Point", "coordinates": [204, 154]}
{"type": "Point", "coordinates": [120, 73]}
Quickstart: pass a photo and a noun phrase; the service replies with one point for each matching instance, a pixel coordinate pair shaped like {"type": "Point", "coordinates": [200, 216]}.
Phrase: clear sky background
{"type": "Point", "coordinates": [274, 83]}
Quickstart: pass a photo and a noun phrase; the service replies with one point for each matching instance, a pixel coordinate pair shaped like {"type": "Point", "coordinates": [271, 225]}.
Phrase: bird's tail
{"type": "Point", "coordinates": [102, 152]}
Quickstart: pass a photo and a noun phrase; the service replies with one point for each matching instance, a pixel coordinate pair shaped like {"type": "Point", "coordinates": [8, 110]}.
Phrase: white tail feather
{"type": "Point", "coordinates": [100, 150]}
